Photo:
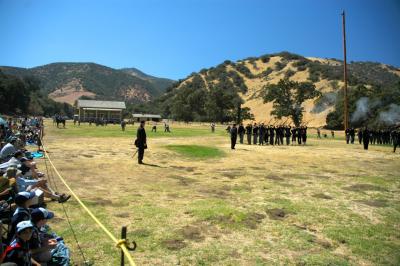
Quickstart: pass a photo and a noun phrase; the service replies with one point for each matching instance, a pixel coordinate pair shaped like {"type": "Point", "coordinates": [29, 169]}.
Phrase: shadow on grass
{"type": "Point", "coordinates": [152, 165]}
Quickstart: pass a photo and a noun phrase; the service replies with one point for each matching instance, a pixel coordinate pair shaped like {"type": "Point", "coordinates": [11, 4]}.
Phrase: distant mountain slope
{"type": "Point", "coordinates": [66, 82]}
{"type": "Point", "coordinates": [160, 83]}
{"type": "Point", "coordinates": [248, 77]}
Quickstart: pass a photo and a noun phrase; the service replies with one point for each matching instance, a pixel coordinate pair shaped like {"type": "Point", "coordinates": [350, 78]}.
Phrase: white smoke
{"type": "Point", "coordinates": [361, 110]}
{"type": "Point", "coordinates": [326, 101]}
{"type": "Point", "coordinates": [392, 116]}
{"type": "Point", "coordinates": [363, 107]}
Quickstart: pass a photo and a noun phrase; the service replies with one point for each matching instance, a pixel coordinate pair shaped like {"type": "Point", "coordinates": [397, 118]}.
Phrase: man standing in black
{"type": "Point", "coordinates": [234, 133]}
{"type": "Point", "coordinates": [366, 138]}
{"type": "Point", "coordinates": [140, 142]}
{"type": "Point", "coordinates": [249, 130]}
{"type": "Point", "coordinates": [241, 132]}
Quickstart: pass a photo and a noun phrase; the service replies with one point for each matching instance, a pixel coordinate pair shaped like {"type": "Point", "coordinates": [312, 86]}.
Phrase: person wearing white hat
{"type": "Point", "coordinates": [18, 250]}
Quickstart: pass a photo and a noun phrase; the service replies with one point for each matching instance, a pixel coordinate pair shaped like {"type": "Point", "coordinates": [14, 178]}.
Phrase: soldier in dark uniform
{"type": "Point", "coordinates": [123, 124]}
{"type": "Point", "coordinates": [277, 135]}
{"type": "Point", "coordinates": [395, 139]}
{"type": "Point", "coordinates": [241, 132]}
{"type": "Point", "coordinates": [287, 135]}
{"type": "Point", "coordinates": [352, 133]}
{"type": "Point", "coordinates": [304, 135]}
{"type": "Point", "coordinates": [294, 135]}
{"type": "Point", "coordinates": [249, 131]}
{"type": "Point", "coordinates": [318, 133]}
{"type": "Point", "coordinates": [261, 130]}
{"type": "Point", "coordinates": [255, 133]}
{"type": "Point", "coordinates": [366, 136]}
{"type": "Point", "coordinates": [266, 135]}
{"type": "Point", "coordinates": [271, 135]}
{"type": "Point", "coordinates": [332, 133]}
{"type": "Point", "coordinates": [140, 142]}
{"type": "Point", "coordinates": [234, 133]}
{"type": "Point", "coordinates": [360, 135]}
{"type": "Point", "coordinates": [299, 135]}
{"type": "Point", "coordinates": [347, 133]}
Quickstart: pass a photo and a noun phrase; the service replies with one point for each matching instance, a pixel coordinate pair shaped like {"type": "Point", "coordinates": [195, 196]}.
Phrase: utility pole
{"type": "Point", "coordinates": [346, 102]}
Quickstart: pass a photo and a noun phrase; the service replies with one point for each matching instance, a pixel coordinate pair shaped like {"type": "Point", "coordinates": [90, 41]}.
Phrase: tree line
{"type": "Point", "coordinates": [22, 96]}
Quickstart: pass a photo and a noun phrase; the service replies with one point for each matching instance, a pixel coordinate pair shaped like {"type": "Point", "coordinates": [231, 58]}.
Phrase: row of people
{"type": "Point", "coordinates": [21, 186]}
{"type": "Point", "coordinates": [31, 242]}
{"type": "Point", "coordinates": [269, 135]}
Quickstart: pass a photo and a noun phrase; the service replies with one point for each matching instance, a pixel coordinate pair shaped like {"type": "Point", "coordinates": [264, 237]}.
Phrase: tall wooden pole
{"type": "Point", "coordinates": [346, 110]}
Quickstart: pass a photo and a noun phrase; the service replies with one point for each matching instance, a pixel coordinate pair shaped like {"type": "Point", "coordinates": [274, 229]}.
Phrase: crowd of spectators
{"type": "Point", "coordinates": [27, 239]}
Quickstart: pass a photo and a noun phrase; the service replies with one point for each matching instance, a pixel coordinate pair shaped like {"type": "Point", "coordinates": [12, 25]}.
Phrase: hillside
{"type": "Point", "coordinates": [66, 82]}
{"type": "Point", "coordinates": [247, 79]}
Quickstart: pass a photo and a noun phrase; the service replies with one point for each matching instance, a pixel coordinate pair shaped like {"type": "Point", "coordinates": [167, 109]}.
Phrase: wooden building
{"type": "Point", "coordinates": [90, 110]}
{"type": "Point", "coordinates": [146, 117]}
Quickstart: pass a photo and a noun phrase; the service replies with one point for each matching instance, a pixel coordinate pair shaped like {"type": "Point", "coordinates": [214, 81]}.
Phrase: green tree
{"type": "Point", "coordinates": [288, 96]}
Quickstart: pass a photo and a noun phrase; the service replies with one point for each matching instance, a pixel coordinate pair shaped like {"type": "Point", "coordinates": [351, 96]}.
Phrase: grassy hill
{"type": "Point", "coordinates": [66, 82]}
{"type": "Point", "coordinates": [247, 78]}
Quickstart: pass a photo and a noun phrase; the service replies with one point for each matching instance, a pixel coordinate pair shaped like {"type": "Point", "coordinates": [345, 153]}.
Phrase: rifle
{"type": "Point", "coordinates": [306, 123]}
{"type": "Point", "coordinates": [285, 121]}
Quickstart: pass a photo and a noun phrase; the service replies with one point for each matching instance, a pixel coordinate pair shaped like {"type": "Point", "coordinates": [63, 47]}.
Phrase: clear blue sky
{"type": "Point", "coordinates": [174, 38]}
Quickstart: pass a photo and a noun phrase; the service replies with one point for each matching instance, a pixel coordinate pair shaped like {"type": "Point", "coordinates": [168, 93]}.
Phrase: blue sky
{"type": "Point", "coordinates": [174, 38]}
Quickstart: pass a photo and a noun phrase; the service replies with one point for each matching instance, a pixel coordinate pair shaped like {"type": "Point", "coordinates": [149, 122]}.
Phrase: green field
{"type": "Point", "coordinates": [197, 202]}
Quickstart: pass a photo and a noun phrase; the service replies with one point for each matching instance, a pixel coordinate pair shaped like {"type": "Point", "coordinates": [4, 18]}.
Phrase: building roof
{"type": "Point", "coordinates": [101, 104]}
{"type": "Point", "coordinates": [145, 116]}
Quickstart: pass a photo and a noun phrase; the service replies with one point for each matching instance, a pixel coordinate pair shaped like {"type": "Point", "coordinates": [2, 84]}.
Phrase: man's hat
{"type": "Point", "coordinates": [24, 225]}
{"type": "Point", "coordinates": [41, 214]}
{"type": "Point", "coordinates": [22, 197]}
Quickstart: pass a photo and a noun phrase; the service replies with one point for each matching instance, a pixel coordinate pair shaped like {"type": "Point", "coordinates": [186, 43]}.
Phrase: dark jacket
{"type": "Point", "coordinates": [234, 132]}
{"type": "Point", "coordinates": [141, 138]}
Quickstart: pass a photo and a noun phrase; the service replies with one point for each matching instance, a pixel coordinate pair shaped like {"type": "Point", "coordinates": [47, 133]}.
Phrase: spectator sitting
{"type": "Point", "coordinates": [28, 166]}
{"type": "Point", "coordinates": [39, 244]}
{"type": "Point", "coordinates": [18, 250]}
{"type": "Point", "coordinates": [25, 184]}
{"type": "Point", "coordinates": [8, 150]}
{"type": "Point", "coordinates": [22, 213]}
{"type": "Point", "coordinates": [7, 184]}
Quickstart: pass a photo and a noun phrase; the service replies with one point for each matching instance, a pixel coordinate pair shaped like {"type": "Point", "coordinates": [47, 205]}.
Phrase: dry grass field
{"type": "Point", "coordinates": [326, 203]}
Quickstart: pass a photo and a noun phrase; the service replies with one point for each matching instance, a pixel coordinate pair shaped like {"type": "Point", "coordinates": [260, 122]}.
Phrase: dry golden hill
{"type": "Point", "coordinates": [249, 77]}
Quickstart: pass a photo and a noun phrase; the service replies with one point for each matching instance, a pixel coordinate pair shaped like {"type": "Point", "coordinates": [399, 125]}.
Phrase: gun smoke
{"type": "Point", "coordinates": [391, 116]}
{"type": "Point", "coordinates": [364, 111]}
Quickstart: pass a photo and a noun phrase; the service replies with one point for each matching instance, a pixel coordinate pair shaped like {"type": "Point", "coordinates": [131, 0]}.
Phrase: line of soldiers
{"type": "Point", "coordinates": [380, 137]}
{"type": "Point", "coordinates": [272, 135]}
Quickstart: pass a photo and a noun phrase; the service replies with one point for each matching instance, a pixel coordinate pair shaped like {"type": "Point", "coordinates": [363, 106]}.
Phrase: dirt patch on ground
{"type": "Point", "coordinates": [122, 215]}
{"type": "Point", "coordinates": [274, 177]}
{"type": "Point", "coordinates": [217, 193]}
{"type": "Point", "coordinates": [277, 214]}
{"type": "Point", "coordinates": [141, 233]}
{"type": "Point", "coordinates": [184, 181]}
{"type": "Point", "coordinates": [232, 175]}
{"type": "Point", "coordinates": [322, 242]}
{"type": "Point", "coordinates": [364, 187]}
{"type": "Point", "coordinates": [173, 244]}
{"type": "Point", "coordinates": [321, 196]}
{"type": "Point", "coordinates": [189, 169]}
{"type": "Point", "coordinates": [192, 233]}
{"type": "Point", "coordinates": [253, 219]}
{"type": "Point", "coordinates": [373, 203]}
{"type": "Point", "coordinates": [101, 202]}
